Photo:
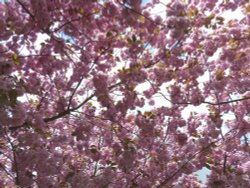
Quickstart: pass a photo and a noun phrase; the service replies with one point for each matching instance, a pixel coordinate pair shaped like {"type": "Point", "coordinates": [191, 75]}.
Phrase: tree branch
{"type": "Point", "coordinates": [139, 13]}
{"type": "Point", "coordinates": [205, 102]}
{"type": "Point", "coordinates": [191, 158]}
{"type": "Point", "coordinates": [7, 172]}
{"type": "Point", "coordinates": [82, 77]}
{"type": "Point", "coordinates": [226, 102]}
{"type": "Point", "coordinates": [68, 111]}
{"type": "Point", "coordinates": [17, 181]}
{"type": "Point", "coordinates": [224, 163]}
{"type": "Point", "coordinates": [26, 9]}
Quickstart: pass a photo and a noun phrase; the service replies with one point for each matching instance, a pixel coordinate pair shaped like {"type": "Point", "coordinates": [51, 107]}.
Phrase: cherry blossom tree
{"type": "Point", "coordinates": [105, 93]}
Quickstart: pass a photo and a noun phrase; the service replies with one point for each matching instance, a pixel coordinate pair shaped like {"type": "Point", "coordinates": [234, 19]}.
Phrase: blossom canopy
{"type": "Point", "coordinates": [116, 94]}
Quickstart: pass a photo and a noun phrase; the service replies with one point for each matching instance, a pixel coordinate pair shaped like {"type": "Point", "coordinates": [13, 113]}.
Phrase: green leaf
{"type": "Point", "coordinates": [69, 175]}
{"type": "Point", "coordinates": [47, 134]}
{"type": "Point", "coordinates": [9, 24]}
{"type": "Point", "coordinates": [134, 38]}
{"type": "Point", "coordinates": [234, 47]}
{"type": "Point", "coordinates": [128, 141]}
{"type": "Point", "coordinates": [220, 20]}
{"type": "Point", "coordinates": [15, 58]}
{"type": "Point", "coordinates": [134, 184]}
{"type": "Point", "coordinates": [231, 170]}
{"type": "Point", "coordinates": [129, 40]}
{"type": "Point", "coordinates": [219, 74]}
{"type": "Point", "coordinates": [13, 96]}
{"type": "Point", "coordinates": [3, 99]}
{"type": "Point", "coordinates": [93, 149]}
{"type": "Point", "coordinates": [109, 34]}
{"type": "Point", "coordinates": [109, 162]}
{"type": "Point", "coordinates": [240, 55]}
{"type": "Point", "coordinates": [207, 166]}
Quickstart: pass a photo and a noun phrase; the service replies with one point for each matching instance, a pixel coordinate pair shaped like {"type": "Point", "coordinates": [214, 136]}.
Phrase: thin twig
{"type": "Point", "coordinates": [206, 102]}
{"type": "Point", "coordinates": [190, 159]}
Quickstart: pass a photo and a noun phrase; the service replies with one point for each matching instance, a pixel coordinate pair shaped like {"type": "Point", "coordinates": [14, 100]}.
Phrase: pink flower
{"type": "Point", "coordinates": [181, 138]}
{"type": "Point", "coordinates": [41, 13]}
{"type": "Point", "coordinates": [210, 48]}
{"type": "Point", "coordinates": [127, 160]}
{"type": "Point", "coordinates": [175, 9]}
{"type": "Point", "coordinates": [246, 167]}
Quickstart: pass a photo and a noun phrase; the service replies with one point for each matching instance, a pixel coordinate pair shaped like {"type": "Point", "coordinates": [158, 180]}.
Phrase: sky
{"type": "Point", "coordinates": [145, 1]}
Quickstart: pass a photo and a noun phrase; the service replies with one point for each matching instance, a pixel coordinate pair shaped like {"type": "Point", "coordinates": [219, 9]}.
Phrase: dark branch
{"type": "Point", "coordinates": [66, 23]}
{"type": "Point", "coordinates": [224, 163]}
{"type": "Point", "coordinates": [192, 157]}
{"type": "Point", "coordinates": [82, 77]}
{"type": "Point", "coordinates": [227, 102]}
{"type": "Point", "coordinates": [68, 111]}
{"type": "Point", "coordinates": [15, 165]}
{"type": "Point", "coordinates": [73, 20]}
{"type": "Point", "coordinates": [205, 102]}
{"type": "Point", "coordinates": [74, 91]}
{"type": "Point", "coordinates": [139, 13]}
{"type": "Point", "coordinates": [6, 171]}
{"type": "Point", "coordinates": [26, 9]}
